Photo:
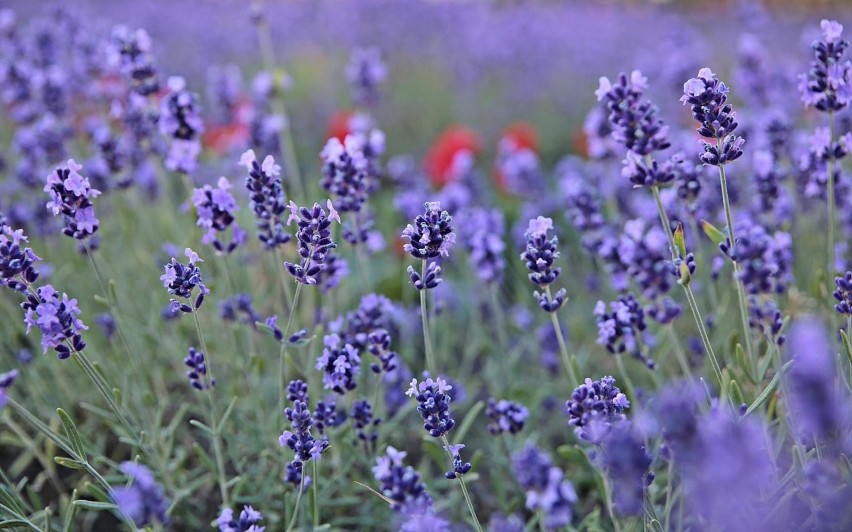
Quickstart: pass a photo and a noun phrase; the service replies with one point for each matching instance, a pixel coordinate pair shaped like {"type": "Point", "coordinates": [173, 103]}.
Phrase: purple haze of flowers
{"type": "Point", "coordinates": [433, 404]}
{"type": "Point", "coordinates": [820, 414]}
{"type": "Point", "coordinates": [300, 440]}
{"type": "Point", "coordinates": [362, 419]}
{"type": "Point", "coordinates": [634, 119]}
{"type": "Point", "coordinates": [130, 53]}
{"type": "Point", "coordinates": [348, 169]}
{"type": "Point", "coordinates": [182, 279]}
{"type": "Point", "coordinates": [314, 237]}
{"type": "Point", "coordinates": [57, 320]}
{"type": "Point", "coordinates": [766, 260]}
{"type": "Point", "coordinates": [594, 406]}
{"type": "Point", "coordinates": [143, 500]}
{"type": "Point", "coordinates": [827, 86]}
{"type": "Point", "coordinates": [266, 194]}
{"type": "Point", "coordinates": [215, 208]}
{"type": "Point", "coordinates": [71, 196]}
{"type": "Point", "coordinates": [707, 97]}
{"type": "Point", "coordinates": [505, 416]}
{"type": "Point", "coordinates": [481, 232]}
{"type": "Point", "coordinates": [181, 123]}
{"type": "Point", "coordinates": [340, 364]}
{"type": "Point", "coordinates": [6, 381]}
{"type": "Point", "coordinates": [17, 263]}
{"type": "Point", "coordinates": [400, 483]}
{"type": "Point", "coordinates": [620, 329]}
{"type": "Point", "coordinates": [539, 257]}
{"type": "Point", "coordinates": [248, 521]}
{"type": "Point", "coordinates": [627, 465]}
{"type": "Point", "coordinates": [365, 72]}
{"type": "Point", "coordinates": [547, 491]}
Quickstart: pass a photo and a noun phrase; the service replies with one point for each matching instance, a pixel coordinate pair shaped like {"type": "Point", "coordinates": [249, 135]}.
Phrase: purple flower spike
{"type": "Point", "coordinates": [431, 234]}
{"type": "Point", "coordinates": [314, 237]}
{"type": "Point", "coordinates": [17, 263]}
{"type": "Point", "coordinates": [143, 500]}
{"type": "Point", "coordinates": [249, 520]}
{"type": "Point", "coordinates": [827, 86]}
{"type": "Point", "coordinates": [433, 404]}
{"type": "Point", "coordinates": [57, 320]}
{"type": "Point", "coordinates": [71, 196]}
{"type": "Point", "coordinates": [182, 280]}
{"type": "Point", "coordinates": [266, 194]}
{"type": "Point", "coordinates": [215, 208]}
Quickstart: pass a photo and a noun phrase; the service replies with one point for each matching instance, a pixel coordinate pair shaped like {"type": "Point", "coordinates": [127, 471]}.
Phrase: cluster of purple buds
{"type": "Point", "coordinates": [314, 237]}
{"type": "Point", "coordinates": [430, 280]}
{"type": "Point", "coordinates": [372, 314]}
{"type": "Point", "coordinates": [181, 122]}
{"type": "Point", "coordinates": [106, 323]}
{"type": "Point", "coordinates": [182, 279]}
{"type": "Point", "coordinates": [539, 257]}
{"type": "Point", "coordinates": [482, 236]}
{"type": "Point", "coordinates": [765, 259]}
{"type": "Point", "coordinates": [431, 234]}
{"type": "Point", "coordinates": [828, 84]}
{"type": "Point", "coordinates": [401, 484]}
{"type": "Point", "coordinates": [634, 119]}
{"type": "Point", "coordinates": [362, 419]}
{"type": "Point", "coordinates": [843, 294]}
{"type": "Point", "coordinates": [336, 268]}
{"type": "Point", "coordinates": [365, 72]}
{"type": "Point", "coordinates": [664, 311]}
{"type": "Point", "coordinates": [767, 319]}
{"type": "Point", "coordinates": [326, 415]}
{"type": "Point", "coordinates": [547, 491]}
{"type": "Point", "coordinates": [379, 342]}
{"type": "Point", "coordinates": [248, 521]}
{"type": "Point", "coordinates": [340, 364]}
{"type": "Point", "coordinates": [297, 390]}
{"type": "Point", "coordinates": [215, 208]}
{"type": "Point", "coordinates": [505, 416]}
{"type": "Point", "coordinates": [433, 404]}
{"type": "Point", "coordinates": [460, 467]}
{"type": "Point", "coordinates": [143, 500]}
{"type": "Point", "coordinates": [649, 173]}
{"type": "Point", "coordinates": [300, 440]}
{"type": "Point", "coordinates": [71, 196]}
{"type": "Point", "coordinates": [349, 168]}
{"type": "Point", "coordinates": [56, 319]}
{"type": "Point", "coordinates": [239, 308]}
{"type": "Point", "coordinates": [6, 381]}
{"type": "Point", "coordinates": [708, 100]}
{"type": "Point", "coordinates": [266, 197]}
{"type": "Point", "coordinates": [620, 329]}
{"type": "Point", "coordinates": [593, 408]}
{"type": "Point", "coordinates": [197, 370]}
{"type": "Point", "coordinates": [17, 264]}
{"type": "Point", "coordinates": [130, 52]}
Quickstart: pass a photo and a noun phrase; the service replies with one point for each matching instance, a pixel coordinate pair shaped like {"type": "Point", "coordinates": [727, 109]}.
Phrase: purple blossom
{"type": "Point", "coordinates": [71, 196]}
{"type": "Point", "coordinates": [340, 365]}
{"type": "Point", "coordinates": [362, 419]}
{"type": "Point", "coordinates": [634, 119]}
{"type": "Point", "coordinates": [620, 329]}
{"type": "Point", "coordinates": [594, 407]}
{"type": "Point", "coordinates": [182, 280]}
{"type": "Point", "coordinates": [17, 263]}
{"type": "Point", "coordinates": [197, 370]}
{"type": "Point", "coordinates": [365, 72]}
{"type": "Point", "coordinates": [505, 416]}
{"type": "Point", "coordinates": [460, 467]}
{"type": "Point", "coordinates": [707, 97]}
{"type": "Point", "coordinates": [540, 256]}
{"type": "Point", "coordinates": [266, 195]}
{"type": "Point", "coordinates": [300, 440]}
{"type": "Point", "coordinates": [431, 234]}
{"type": "Point", "coordinates": [433, 404]}
{"type": "Point", "coordinates": [546, 489]}
{"type": "Point", "coordinates": [181, 123]}
{"type": "Point", "coordinates": [130, 53]}
{"type": "Point", "coordinates": [249, 520]}
{"type": "Point", "coordinates": [314, 237]}
{"type": "Point", "coordinates": [142, 501]}
{"type": "Point", "coordinates": [215, 208]}
{"type": "Point", "coordinates": [57, 320]}
{"type": "Point", "coordinates": [827, 86]}
{"type": "Point", "coordinates": [349, 170]}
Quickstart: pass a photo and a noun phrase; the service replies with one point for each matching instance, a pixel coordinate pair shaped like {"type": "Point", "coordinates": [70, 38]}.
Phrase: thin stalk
{"type": "Point", "coordinates": [214, 417]}
{"type": "Point", "coordinates": [282, 280]}
{"type": "Point", "coordinates": [285, 134]}
{"type": "Point", "coordinates": [726, 202]}
{"type": "Point", "coordinates": [316, 495]}
{"type": "Point", "coordinates": [298, 500]}
{"type": "Point", "coordinates": [563, 349]}
{"type": "Point", "coordinates": [690, 297]}
{"type": "Point", "coordinates": [499, 317]}
{"type": "Point", "coordinates": [424, 318]}
{"type": "Point", "coordinates": [679, 354]}
{"type": "Point", "coordinates": [282, 351]}
{"type": "Point", "coordinates": [830, 194]}
{"type": "Point", "coordinates": [464, 488]}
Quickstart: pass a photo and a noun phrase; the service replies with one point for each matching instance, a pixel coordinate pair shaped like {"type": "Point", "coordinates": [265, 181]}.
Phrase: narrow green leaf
{"type": "Point", "coordinates": [202, 454]}
{"type": "Point", "coordinates": [16, 523]}
{"type": "Point", "coordinates": [376, 493]}
{"type": "Point", "coordinates": [226, 415]}
{"type": "Point", "coordinates": [70, 463]}
{"type": "Point", "coordinates": [769, 390]}
{"type": "Point", "coordinates": [735, 392]}
{"type": "Point", "coordinates": [743, 364]}
{"type": "Point", "coordinates": [202, 427]}
{"type": "Point", "coordinates": [847, 345]}
{"type": "Point", "coordinates": [96, 491]}
{"type": "Point", "coordinates": [468, 421]}
{"type": "Point", "coordinates": [101, 300]}
{"type": "Point", "coordinates": [73, 434]}
{"type": "Point", "coordinates": [112, 290]}
{"type": "Point", "coordinates": [715, 236]}
{"type": "Point", "coordinates": [96, 506]}
{"type": "Point", "coordinates": [70, 513]}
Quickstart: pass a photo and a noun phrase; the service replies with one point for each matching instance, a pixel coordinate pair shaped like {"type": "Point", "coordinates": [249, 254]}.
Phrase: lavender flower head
{"type": "Point", "coordinates": [215, 208]}
{"type": "Point", "coordinates": [181, 123]}
{"type": "Point", "coordinates": [539, 257]}
{"type": "Point", "coordinates": [433, 404]}
{"type": "Point", "coordinates": [130, 52]}
{"type": "Point", "coordinates": [266, 196]}
{"type": "Point", "coordinates": [505, 416]}
{"type": "Point", "coordinates": [827, 86]}
{"type": "Point", "coordinates": [314, 237]}
{"type": "Point", "coordinates": [400, 483]}
{"type": "Point", "coordinates": [482, 233]}
{"type": "Point", "coordinates": [340, 365]}
{"type": "Point", "coordinates": [71, 196]}
{"type": "Point", "coordinates": [707, 97]}
{"type": "Point", "coordinates": [594, 406]}
{"type": "Point", "coordinates": [431, 234]}
{"type": "Point", "coordinates": [843, 294]}
{"type": "Point", "coordinates": [347, 172]}
{"type": "Point", "coordinates": [17, 264]}
{"type": "Point", "coordinates": [6, 381]}
{"type": "Point", "coordinates": [627, 465]}
{"type": "Point", "coordinates": [249, 520]}
{"type": "Point", "coordinates": [620, 329]}
{"type": "Point", "coordinates": [197, 370]}
{"type": "Point", "coordinates": [634, 119]}
{"type": "Point", "coordinates": [365, 72]}
{"type": "Point", "coordinates": [460, 467]}
{"type": "Point", "coordinates": [57, 320]}
{"type": "Point", "coordinates": [546, 489]}
{"type": "Point", "coordinates": [143, 500]}
{"type": "Point", "coordinates": [182, 280]}
{"type": "Point", "coordinates": [300, 440]}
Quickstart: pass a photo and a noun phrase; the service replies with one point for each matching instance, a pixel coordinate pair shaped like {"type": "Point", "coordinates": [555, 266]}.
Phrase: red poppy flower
{"type": "Point", "coordinates": [339, 125]}
{"type": "Point", "coordinates": [438, 163]}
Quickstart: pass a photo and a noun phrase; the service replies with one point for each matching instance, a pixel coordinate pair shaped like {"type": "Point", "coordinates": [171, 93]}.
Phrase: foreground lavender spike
{"type": "Point", "coordinates": [593, 408]}
{"type": "Point", "coordinates": [17, 263]}
{"type": "Point", "coordinates": [216, 208]}
{"type": "Point", "coordinates": [71, 196]}
{"type": "Point", "coordinates": [340, 364]}
{"type": "Point", "coordinates": [57, 320]}
{"type": "Point", "coordinates": [843, 294]}
{"type": "Point", "coordinates": [143, 500]}
{"type": "Point", "coordinates": [266, 195]}
{"type": "Point", "coordinates": [433, 404]}
{"type": "Point", "coordinates": [540, 255]}
{"type": "Point", "coordinates": [314, 237]}
{"type": "Point", "coordinates": [248, 521]}
{"type": "Point", "coordinates": [182, 280]}
{"type": "Point", "coordinates": [300, 440]}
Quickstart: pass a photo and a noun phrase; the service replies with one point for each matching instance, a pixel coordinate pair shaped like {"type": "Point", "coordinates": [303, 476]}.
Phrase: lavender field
{"type": "Point", "coordinates": [425, 265]}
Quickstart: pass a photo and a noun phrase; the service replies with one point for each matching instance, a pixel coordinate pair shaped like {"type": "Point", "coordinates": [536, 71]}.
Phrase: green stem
{"type": "Point", "coordinates": [424, 318]}
{"type": "Point", "coordinates": [463, 487]}
{"type": "Point", "coordinates": [298, 501]}
{"type": "Point", "coordinates": [316, 495]}
{"type": "Point", "coordinates": [609, 506]}
{"type": "Point", "coordinates": [679, 353]}
{"type": "Point", "coordinates": [830, 194]}
{"type": "Point", "coordinates": [282, 351]}
{"type": "Point", "coordinates": [214, 418]}
{"type": "Point", "coordinates": [498, 315]}
{"type": "Point", "coordinates": [563, 349]}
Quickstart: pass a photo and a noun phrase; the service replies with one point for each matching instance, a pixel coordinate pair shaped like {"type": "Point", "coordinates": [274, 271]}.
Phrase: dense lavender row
{"type": "Point", "coordinates": [651, 332]}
